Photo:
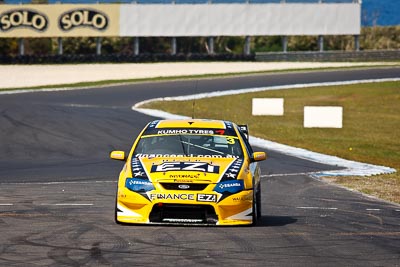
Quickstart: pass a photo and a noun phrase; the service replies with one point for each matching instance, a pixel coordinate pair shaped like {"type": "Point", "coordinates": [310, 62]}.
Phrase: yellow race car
{"type": "Point", "coordinates": [190, 172]}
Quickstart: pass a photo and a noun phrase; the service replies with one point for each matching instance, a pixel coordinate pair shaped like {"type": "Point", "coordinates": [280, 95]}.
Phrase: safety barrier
{"type": "Point", "coordinates": [331, 56]}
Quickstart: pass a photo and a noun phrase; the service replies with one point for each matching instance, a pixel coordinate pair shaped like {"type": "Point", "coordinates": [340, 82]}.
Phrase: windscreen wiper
{"type": "Point", "coordinates": [183, 147]}
{"type": "Point", "coordinates": [202, 147]}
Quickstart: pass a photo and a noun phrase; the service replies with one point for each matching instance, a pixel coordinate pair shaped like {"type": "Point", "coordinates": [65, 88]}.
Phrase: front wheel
{"type": "Point", "coordinates": [256, 205]}
{"type": "Point", "coordinates": [258, 200]}
{"type": "Point", "coordinates": [116, 210]}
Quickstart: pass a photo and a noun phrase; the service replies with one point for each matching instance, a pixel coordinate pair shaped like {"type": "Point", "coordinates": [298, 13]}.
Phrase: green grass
{"type": "Point", "coordinates": [371, 122]}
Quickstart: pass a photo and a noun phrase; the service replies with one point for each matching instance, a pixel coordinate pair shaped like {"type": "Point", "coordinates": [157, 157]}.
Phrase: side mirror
{"type": "Point", "coordinates": [259, 156]}
{"type": "Point", "coordinates": [118, 155]}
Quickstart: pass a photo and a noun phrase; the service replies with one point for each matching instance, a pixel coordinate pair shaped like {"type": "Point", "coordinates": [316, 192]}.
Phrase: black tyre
{"type": "Point", "coordinates": [256, 205]}
{"type": "Point", "coordinates": [116, 210]}
{"type": "Point", "coordinates": [258, 199]}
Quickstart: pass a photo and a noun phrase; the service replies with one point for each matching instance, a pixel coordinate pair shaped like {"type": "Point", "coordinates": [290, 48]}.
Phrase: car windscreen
{"type": "Point", "coordinates": [188, 145]}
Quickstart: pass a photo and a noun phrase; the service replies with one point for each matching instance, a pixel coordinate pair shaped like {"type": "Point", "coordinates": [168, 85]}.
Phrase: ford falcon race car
{"type": "Point", "coordinates": [189, 172]}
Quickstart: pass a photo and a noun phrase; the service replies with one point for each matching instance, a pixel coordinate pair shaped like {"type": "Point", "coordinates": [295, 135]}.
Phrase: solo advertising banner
{"type": "Point", "coordinates": [59, 20]}
{"type": "Point", "coordinates": [145, 20]}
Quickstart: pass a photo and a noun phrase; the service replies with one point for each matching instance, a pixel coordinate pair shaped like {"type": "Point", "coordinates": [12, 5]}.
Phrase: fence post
{"type": "Point", "coordinates": [60, 46]}
{"type": "Point", "coordinates": [21, 47]}
{"type": "Point", "coordinates": [321, 43]}
{"type": "Point", "coordinates": [320, 37]}
{"type": "Point", "coordinates": [173, 46]}
{"type": "Point", "coordinates": [136, 46]}
{"type": "Point", "coordinates": [247, 45]}
{"type": "Point", "coordinates": [357, 43]}
{"type": "Point", "coordinates": [285, 43]}
{"type": "Point", "coordinates": [98, 46]}
{"type": "Point", "coordinates": [211, 45]}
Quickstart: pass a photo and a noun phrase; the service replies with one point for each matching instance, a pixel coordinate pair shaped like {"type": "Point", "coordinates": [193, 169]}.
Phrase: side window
{"type": "Point", "coordinates": [246, 143]}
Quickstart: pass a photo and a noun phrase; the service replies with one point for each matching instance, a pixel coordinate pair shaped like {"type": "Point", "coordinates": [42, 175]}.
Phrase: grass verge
{"type": "Point", "coordinates": [370, 133]}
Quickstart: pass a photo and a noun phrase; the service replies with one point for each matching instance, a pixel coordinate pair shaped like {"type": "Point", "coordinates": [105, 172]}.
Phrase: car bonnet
{"type": "Point", "coordinates": [190, 169]}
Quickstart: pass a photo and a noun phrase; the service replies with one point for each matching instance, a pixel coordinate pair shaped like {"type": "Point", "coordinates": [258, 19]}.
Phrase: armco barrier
{"type": "Point", "coordinates": [336, 56]}
{"type": "Point", "coordinates": [332, 56]}
{"type": "Point", "coordinates": [121, 58]}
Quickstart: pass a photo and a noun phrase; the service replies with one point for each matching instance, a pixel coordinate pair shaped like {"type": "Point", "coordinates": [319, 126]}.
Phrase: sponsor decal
{"type": "Point", "coordinates": [245, 198]}
{"type": "Point", "coordinates": [166, 196]}
{"type": "Point", "coordinates": [206, 197]}
{"type": "Point", "coordinates": [183, 181]}
{"type": "Point", "coordinates": [153, 124]}
{"type": "Point", "coordinates": [232, 186]}
{"type": "Point", "coordinates": [185, 176]}
{"type": "Point", "coordinates": [137, 169]}
{"type": "Point", "coordinates": [173, 220]}
{"type": "Point", "coordinates": [228, 125]}
{"type": "Point", "coordinates": [185, 166]}
{"type": "Point", "coordinates": [141, 155]}
{"type": "Point", "coordinates": [233, 170]}
{"type": "Point", "coordinates": [83, 18]}
{"type": "Point", "coordinates": [138, 185]}
{"type": "Point", "coordinates": [153, 130]}
{"type": "Point", "coordinates": [186, 131]}
{"type": "Point", "coordinates": [23, 18]}
{"type": "Point", "coordinates": [138, 174]}
{"type": "Point", "coordinates": [221, 132]}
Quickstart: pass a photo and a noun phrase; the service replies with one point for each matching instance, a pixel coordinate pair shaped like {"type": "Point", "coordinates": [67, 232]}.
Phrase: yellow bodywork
{"type": "Point", "coordinates": [180, 184]}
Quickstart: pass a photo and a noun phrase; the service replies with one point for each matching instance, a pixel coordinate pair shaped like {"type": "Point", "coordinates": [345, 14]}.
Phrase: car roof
{"type": "Point", "coordinates": [192, 123]}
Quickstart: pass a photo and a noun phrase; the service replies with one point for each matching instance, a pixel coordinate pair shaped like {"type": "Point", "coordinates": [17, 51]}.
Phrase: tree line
{"type": "Point", "coordinates": [371, 38]}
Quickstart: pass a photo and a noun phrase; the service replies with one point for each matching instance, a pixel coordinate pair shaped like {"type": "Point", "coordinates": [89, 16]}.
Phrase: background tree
{"type": "Point", "coordinates": [267, 44]}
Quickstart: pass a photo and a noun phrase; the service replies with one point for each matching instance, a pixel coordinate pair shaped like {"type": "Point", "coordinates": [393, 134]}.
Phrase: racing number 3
{"type": "Point", "coordinates": [230, 140]}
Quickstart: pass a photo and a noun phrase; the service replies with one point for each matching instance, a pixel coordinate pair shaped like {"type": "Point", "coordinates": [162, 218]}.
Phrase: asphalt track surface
{"type": "Point", "coordinates": [57, 189]}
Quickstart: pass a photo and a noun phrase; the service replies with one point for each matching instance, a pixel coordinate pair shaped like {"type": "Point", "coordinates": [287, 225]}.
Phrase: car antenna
{"type": "Point", "coordinates": [194, 99]}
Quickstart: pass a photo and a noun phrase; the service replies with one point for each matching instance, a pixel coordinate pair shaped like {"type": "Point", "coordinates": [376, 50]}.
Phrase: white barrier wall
{"type": "Point", "coordinates": [323, 117]}
{"type": "Point", "coordinates": [267, 107]}
{"type": "Point", "coordinates": [240, 19]}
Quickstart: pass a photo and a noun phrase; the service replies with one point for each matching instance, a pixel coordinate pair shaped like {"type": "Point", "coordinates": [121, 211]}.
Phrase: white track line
{"type": "Point", "coordinates": [316, 208]}
{"type": "Point", "coordinates": [67, 204]}
{"type": "Point", "coordinates": [288, 174]}
{"type": "Point", "coordinates": [258, 89]}
{"type": "Point", "coordinates": [352, 168]}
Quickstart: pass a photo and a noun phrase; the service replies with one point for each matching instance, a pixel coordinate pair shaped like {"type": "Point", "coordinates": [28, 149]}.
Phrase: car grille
{"type": "Point", "coordinates": [186, 214]}
{"type": "Point", "coordinates": [179, 186]}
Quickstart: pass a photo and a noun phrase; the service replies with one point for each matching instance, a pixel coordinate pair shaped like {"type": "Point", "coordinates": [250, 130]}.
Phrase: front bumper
{"type": "Point", "coordinates": [184, 207]}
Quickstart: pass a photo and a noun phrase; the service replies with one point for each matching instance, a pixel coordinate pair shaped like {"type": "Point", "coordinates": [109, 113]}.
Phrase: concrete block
{"type": "Point", "coordinates": [268, 107]}
{"type": "Point", "coordinates": [323, 117]}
